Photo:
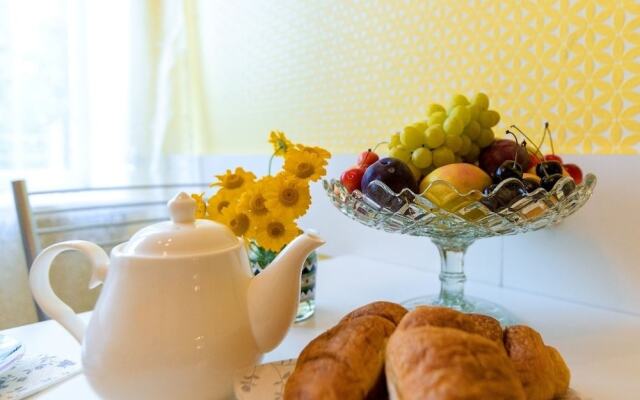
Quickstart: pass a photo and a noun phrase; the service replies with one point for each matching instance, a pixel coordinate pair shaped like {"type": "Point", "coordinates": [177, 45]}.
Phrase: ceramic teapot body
{"type": "Point", "coordinates": [177, 324]}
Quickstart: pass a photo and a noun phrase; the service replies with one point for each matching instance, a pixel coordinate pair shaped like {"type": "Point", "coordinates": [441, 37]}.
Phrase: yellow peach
{"type": "Point", "coordinates": [463, 177]}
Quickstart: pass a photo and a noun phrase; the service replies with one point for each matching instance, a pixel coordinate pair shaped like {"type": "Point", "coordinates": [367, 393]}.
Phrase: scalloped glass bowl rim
{"type": "Point", "coordinates": [589, 180]}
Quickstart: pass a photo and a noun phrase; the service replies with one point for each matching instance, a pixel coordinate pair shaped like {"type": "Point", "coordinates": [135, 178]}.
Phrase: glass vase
{"type": "Point", "coordinates": [260, 258]}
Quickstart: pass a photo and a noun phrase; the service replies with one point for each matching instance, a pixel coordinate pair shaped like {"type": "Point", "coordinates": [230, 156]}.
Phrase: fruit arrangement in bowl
{"type": "Point", "coordinates": [449, 178]}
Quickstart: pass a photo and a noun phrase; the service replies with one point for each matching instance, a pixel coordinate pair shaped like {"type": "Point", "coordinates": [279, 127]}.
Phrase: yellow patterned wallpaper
{"type": "Point", "coordinates": [345, 74]}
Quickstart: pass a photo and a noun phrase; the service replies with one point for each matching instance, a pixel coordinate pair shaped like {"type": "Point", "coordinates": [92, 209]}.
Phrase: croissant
{"type": "Point", "coordinates": [347, 361]}
{"type": "Point", "coordinates": [542, 371]}
{"type": "Point", "coordinates": [482, 325]}
{"type": "Point", "coordinates": [391, 311]}
{"type": "Point", "coordinates": [435, 363]}
{"type": "Point", "coordinates": [431, 353]}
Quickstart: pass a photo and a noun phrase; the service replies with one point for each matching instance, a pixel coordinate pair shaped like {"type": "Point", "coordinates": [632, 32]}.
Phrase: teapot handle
{"type": "Point", "coordinates": [41, 286]}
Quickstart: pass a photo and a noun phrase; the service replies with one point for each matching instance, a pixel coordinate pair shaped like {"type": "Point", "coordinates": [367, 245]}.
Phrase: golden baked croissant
{"type": "Point", "coordinates": [542, 371]}
{"type": "Point", "coordinates": [482, 325]}
{"type": "Point", "coordinates": [435, 363]}
{"type": "Point", "coordinates": [391, 311]}
{"type": "Point", "coordinates": [434, 353]}
{"type": "Point", "coordinates": [347, 361]}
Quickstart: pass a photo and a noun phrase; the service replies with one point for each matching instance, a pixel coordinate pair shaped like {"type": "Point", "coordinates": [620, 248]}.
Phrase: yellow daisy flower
{"type": "Point", "coordinates": [235, 181]}
{"type": "Point", "coordinates": [218, 202]}
{"type": "Point", "coordinates": [319, 151]}
{"type": "Point", "coordinates": [288, 195]}
{"type": "Point", "coordinates": [238, 222]}
{"type": "Point", "coordinates": [274, 232]}
{"type": "Point", "coordinates": [304, 165]}
{"type": "Point", "coordinates": [201, 206]}
{"type": "Point", "coordinates": [280, 143]}
{"type": "Point", "coordinates": [252, 202]}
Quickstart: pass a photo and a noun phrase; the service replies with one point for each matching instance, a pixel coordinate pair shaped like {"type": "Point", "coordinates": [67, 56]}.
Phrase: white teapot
{"type": "Point", "coordinates": [180, 311]}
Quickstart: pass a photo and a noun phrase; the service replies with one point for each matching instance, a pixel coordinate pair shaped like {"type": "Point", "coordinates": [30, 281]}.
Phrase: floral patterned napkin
{"type": "Point", "coordinates": [34, 373]}
{"type": "Point", "coordinates": [266, 382]}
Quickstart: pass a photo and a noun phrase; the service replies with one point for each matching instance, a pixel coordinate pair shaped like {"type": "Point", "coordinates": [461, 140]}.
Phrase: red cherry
{"type": "Point", "coordinates": [367, 158]}
{"type": "Point", "coordinates": [575, 172]}
{"type": "Point", "coordinates": [351, 178]}
{"type": "Point", "coordinates": [553, 157]}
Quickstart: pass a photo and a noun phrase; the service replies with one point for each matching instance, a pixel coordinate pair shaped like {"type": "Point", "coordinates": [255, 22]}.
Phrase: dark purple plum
{"type": "Point", "coordinates": [500, 151]}
{"type": "Point", "coordinates": [393, 173]}
{"type": "Point", "coordinates": [386, 200]}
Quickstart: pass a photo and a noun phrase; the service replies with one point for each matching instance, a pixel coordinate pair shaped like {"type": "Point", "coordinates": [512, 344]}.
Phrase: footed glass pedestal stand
{"type": "Point", "coordinates": [452, 281]}
{"type": "Point", "coordinates": [454, 226]}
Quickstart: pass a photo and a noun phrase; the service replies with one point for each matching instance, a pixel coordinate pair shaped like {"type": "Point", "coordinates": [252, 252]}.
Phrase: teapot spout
{"type": "Point", "coordinates": [274, 294]}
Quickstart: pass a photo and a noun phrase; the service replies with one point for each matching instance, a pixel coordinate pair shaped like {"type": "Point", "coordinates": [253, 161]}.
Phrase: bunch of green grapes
{"type": "Point", "coordinates": [446, 136]}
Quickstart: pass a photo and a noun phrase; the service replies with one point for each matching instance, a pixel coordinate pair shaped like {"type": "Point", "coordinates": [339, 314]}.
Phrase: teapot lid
{"type": "Point", "coordinates": [182, 236]}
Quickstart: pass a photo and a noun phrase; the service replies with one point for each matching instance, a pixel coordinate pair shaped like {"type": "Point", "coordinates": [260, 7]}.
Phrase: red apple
{"type": "Point", "coordinates": [500, 151]}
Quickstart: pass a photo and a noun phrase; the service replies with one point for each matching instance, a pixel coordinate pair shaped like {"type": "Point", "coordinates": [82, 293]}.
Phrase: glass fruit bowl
{"type": "Point", "coordinates": [455, 220]}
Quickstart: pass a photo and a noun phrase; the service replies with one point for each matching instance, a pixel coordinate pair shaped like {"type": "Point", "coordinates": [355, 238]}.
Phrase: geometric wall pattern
{"type": "Point", "coordinates": [346, 74]}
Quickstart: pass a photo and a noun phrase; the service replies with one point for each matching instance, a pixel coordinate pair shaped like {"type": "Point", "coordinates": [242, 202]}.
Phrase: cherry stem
{"type": "Point", "coordinates": [515, 157]}
{"type": "Point", "coordinates": [546, 129]}
{"type": "Point", "coordinates": [530, 141]}
{"type": "Point", "coordinates": [544, 136]}
{"type": "Point", "coordinates": [378, 145]}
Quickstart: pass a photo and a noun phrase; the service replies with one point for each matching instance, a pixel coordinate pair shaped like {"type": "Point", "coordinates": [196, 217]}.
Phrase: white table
{"type": "Point", "coordinates": [601, 347]}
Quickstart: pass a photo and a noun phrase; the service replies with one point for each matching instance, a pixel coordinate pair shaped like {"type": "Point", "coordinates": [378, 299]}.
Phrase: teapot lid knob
{"type": "Point", "coordinates": [182, 208]}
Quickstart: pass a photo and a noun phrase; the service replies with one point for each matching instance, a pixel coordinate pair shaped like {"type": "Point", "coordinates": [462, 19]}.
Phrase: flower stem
{"type": "Point", "coordinates": [271, 162]}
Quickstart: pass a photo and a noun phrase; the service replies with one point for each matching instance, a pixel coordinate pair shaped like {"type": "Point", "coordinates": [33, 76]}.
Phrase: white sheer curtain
{"type": "Point", "coordinates": [92, 94]}
{"type": "Point", "coordinates": [168, 107]}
